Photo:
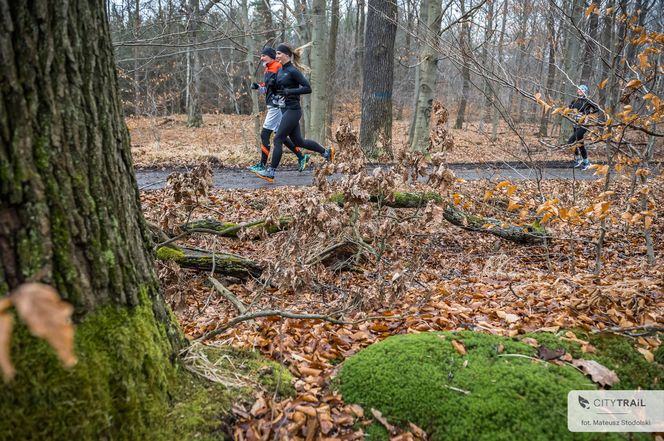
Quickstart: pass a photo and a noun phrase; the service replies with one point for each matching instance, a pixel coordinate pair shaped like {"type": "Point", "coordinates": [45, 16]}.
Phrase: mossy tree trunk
{"type": "Point", "coordinates": [70, 216]}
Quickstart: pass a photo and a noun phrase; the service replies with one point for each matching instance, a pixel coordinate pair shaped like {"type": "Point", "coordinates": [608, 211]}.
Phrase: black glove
{"type": "Point", "coordinates": [282, 92]}
{"type": "Point", "coordinates": [254, 86]}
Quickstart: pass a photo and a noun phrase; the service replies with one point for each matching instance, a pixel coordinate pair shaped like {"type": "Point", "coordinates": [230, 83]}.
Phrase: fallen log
{"type": "Point", "coordinates": [223, 263]}
{"type": "Point", "coordinates": [399, 199]}
{"type": "Point", "coordinates": [528, 234]}
{"type": "Point", "coordinates": [231, 229]}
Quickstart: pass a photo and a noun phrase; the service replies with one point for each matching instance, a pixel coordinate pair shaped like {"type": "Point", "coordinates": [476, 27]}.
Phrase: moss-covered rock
{"type": "Point", "coordinates": [126, 385]}
{"type": "Point", "coordinates": [420, 378]}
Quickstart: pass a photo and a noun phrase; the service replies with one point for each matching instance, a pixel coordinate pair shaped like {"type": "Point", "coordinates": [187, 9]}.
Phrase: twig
{"type": "Point", "coordinates": [522, 356]}
{"type": "Point", "coordinates": [465, 392]}
{"type": "Point", "coordinates": [241, 307]}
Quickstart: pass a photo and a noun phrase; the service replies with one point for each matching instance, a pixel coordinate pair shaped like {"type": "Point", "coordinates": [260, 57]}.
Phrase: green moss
{"type": "Point", "coordinates": [659, 354]}
{"type": "Point", "coordinates": [409, 199]}
{"type": "Point", "coordinates": [169, 253]}
{"type": "Point", "coordinates": [408, 378]}
{"type": "Point", "coordinates": [614, 351]}
{"type": "Point", "coordinates": [109, 257]}
{"type": "Point", "coordinates": [125, 385]}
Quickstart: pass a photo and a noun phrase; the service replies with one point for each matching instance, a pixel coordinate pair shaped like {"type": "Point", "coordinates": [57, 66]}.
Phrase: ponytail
{"type": "Point", "coordinates": [296, 56]}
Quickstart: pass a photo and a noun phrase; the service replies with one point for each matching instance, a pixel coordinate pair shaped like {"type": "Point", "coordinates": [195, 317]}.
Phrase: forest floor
{"type": "Point", "coordinates": [229, 141]}
{"type": "Point", "coordinates": [418, 273]}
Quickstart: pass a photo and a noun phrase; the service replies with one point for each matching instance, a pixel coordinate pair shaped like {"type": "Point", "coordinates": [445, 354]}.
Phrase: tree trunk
{"type": "Point", "coordinates": [464, 44]}
{"type": "Point", "coordinates": [250, 44]}
{"type": "Point", "coordinates": [589, 51]}
{"type": "Point", "coordinates": [265, 22]}
{"type": "Point", "coordinates": [332, 65]}
{"type": "Point", "coordinates": [137, 75]}
{"type": "Point", "coordinates": [70, 216]}
{"type": "Point", "coordinates": [427, 78]}
{"type": "Point", "coordinates": [488, 35]}
{"type": "Point", "coordinates": [606, 54]}
{"type": "Point", "coordinates": [378, 78]}
{"type": "Point", "coordinates": [551, 69]}
{"type": "Point", "coordinates": [496, 94]}
{"type": "Point", "coordinates": [194, 113]}
{"type": "Point", "coordinates": [571, 62]}
{"type": "Point", "coordinates": [318, 73]}
{"type": "Point", "coordinates": [359, 38]}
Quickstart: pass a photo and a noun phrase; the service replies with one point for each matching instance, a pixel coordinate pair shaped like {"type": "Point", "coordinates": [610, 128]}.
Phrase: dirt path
{"type": "Point", "coordinates": [227, 178]}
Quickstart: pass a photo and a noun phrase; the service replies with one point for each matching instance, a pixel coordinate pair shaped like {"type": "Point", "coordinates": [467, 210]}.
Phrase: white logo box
{"type": "Point", "coordinates": [615, 411]}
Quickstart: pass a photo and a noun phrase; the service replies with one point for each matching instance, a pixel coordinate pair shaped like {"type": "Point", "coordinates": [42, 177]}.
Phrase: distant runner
{"type": "Point", "coordinates": [273, 117]}
{"type": "Point", "coordinates": [585, 107]}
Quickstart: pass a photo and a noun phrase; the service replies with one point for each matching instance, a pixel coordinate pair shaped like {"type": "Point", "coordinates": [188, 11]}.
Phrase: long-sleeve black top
{"type": "Point", "coordinates": [290, 85]}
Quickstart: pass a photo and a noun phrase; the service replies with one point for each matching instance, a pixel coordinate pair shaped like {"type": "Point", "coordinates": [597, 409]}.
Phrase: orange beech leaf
{"type": "Point", "coordinates": [48, 317]}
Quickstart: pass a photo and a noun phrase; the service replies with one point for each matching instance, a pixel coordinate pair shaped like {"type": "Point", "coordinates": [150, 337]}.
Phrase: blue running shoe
{"type": "Point", "coordinates": [256, 167]}
{"type": "Point", "coordinates": [267, 174]}
{"type": "Point", "coordinates": [302, 163]}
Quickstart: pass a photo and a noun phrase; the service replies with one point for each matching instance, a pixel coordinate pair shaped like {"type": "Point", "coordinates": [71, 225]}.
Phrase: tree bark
{"type": "Point", "coordinates": [427, 77]}
{"type": "Point", "coordinates": [70, 216]}
{"type": "Point", "coordinates": [488, 95]}
{"type": "Point", "coordinates": [319, 73]}
{"type": "Point", "coordinates": [551, 69]}
{"type": "Point", "coordinates": [194, 113]}
{"type": "Point", "coordinates": [464, 44]}
{"type": "Point", "coordinates": [224, 264]}
{"type": "Point", "coordinates": [332, 64]}
{"type": "Point", "coordinates": [378, 69]}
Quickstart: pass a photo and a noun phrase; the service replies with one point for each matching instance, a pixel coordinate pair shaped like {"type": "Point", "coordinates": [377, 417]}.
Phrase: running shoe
{"type": "Point", "coordinates": [256, 167]}
{"type": "Point", "coordinates": [585, 165]}
{"type": "Point", "coordinates": [302, 163]}
{"type": "Point", "coordinates": [329, 154]}
{"type": "Point", "coordinates": [267, 174]}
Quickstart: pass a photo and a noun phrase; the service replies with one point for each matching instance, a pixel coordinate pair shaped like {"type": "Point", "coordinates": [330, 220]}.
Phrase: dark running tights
{"type": "Point", "coordinates": [577, 138]}
{"type": "Point", "coordinates": [265, 145]}
{"type": "Point", "coordinates": [290, 128]}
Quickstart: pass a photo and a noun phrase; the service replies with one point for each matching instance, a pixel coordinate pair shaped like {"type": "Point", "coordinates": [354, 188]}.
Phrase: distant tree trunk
{"type": "Point", "coordinates": [378, 76]}
{"type": "Point", "coordinates": [496, 95]}
{"type": "Point", "coordinates": [318, 73]}
{"type": "Point", "coordinates": [571, 61]}
{"type": "Point", "coordinates": [488, 35]}
{"type": "Point", "coordinates": [464, 44]}
{"type": "Point", "coordinates": [194, 113]}
{"type": "Point", "coordinates": [607, 36]}
{"type": "Point", "coordinates": [304, 25]}
{"type": "Point", "coordinates": [70, 216]}
{"type": "Point", "coordinates": [589, 51]}
{"type": "Point", "coordinates": [423, 18]}
{"type": "Point", "coordinates": [250, 44]}
{"type": "Point", "coordinates": [265, 22]}
{"type": "Point", "coordinates": [428, 74]}
{"type": "Point", "coordinates": [136, 54]}
{"type": "Point", "coordinates": [359, 38]}
{"type": "Point", "coordinates": [551, 69]}
{"type": "Point", "coordinates": [332, 65]}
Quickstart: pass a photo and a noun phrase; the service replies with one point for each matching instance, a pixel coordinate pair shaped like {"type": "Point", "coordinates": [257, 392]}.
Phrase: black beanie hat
{"type": "Point", "coordinates": [284, 49]}
{"type": "Point", "coordinates": [269, 52]}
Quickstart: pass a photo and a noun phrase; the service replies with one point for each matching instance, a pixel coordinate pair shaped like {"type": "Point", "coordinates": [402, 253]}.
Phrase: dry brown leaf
{"type": "Point", "coordinates": [381, 419]}
{"type": "Point", "coordinates": [460, 348]}
{"type": "Point", "coordinates": [547, 354]}
{"type": "Point", "coordinates": [647, 354]}
{"type": "Point", "coordinates": [259, 408]}
{"type": "Point", "coordinates": [325, 421]}
{"type": "Point", "coordinates": [48, 317]}
{"type": "Point", "coordinates": [357, 410]}
{"type": "Point", "coordinates": [598, 373]}
{"type": "Point", "coordinates": [6, 366]}
{"type": "Point", "coordinates": [417, 431]}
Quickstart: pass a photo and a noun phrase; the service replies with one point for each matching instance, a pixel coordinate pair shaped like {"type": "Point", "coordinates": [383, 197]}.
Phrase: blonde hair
{"type": "Point", "coordinates": [296, 57]}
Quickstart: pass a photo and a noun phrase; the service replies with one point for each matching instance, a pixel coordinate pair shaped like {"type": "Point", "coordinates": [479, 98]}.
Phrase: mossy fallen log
{"type": "Point", "coordinates": [223, 263]}
{"type": "Point", "coordinates": [527, 234]}
{"type": "Point", "coordinates": [231, 229]}
{"type": "Point", "coordinates": [399, 199]}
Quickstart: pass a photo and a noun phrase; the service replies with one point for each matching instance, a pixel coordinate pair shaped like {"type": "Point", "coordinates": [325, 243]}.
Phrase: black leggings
{"type": "Point", "coordinates": [577, 138]}
{"type": "Point", "coordinates": [290, 128]}
{"type": "Point", "coordinates": [265, 145]}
